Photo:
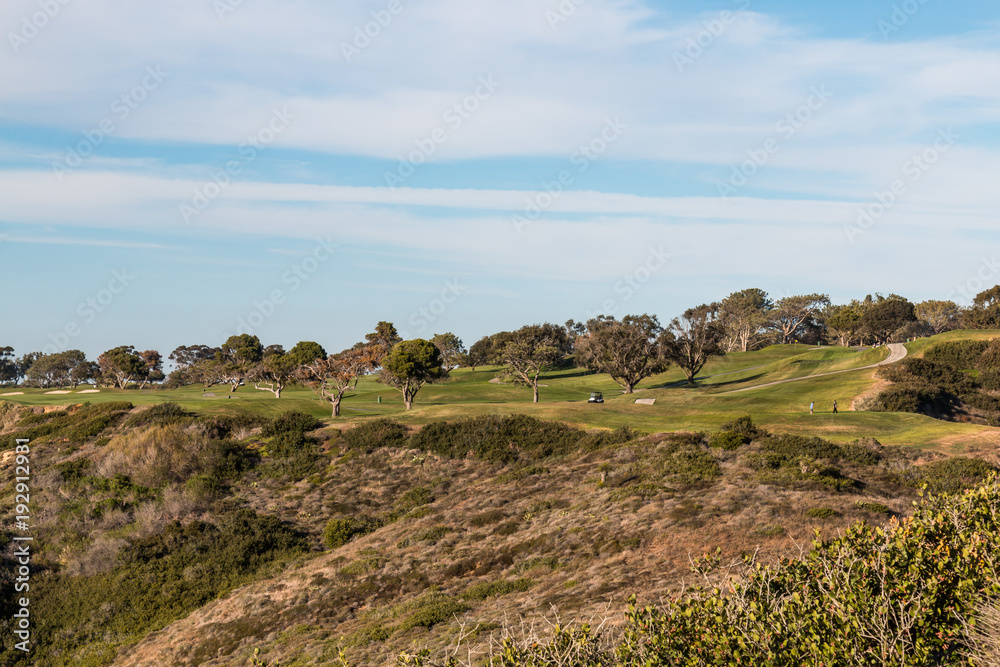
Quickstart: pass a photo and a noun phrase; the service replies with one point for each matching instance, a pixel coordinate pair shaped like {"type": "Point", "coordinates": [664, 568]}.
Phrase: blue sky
{"type": "Point", "coordinates": [173, 172]}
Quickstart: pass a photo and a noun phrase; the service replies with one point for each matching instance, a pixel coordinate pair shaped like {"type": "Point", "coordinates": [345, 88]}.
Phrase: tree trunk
{"type": "Point", "coordinates": [336, 407]}
{"type": "Point", "coordinates": [408, 401]}
{"type": "Point", "coordinates": [535, 387]}
{"type": "Point", "coordinates": [628, 388]}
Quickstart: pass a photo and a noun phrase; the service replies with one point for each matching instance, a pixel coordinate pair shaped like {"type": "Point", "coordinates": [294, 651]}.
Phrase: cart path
{"type": "Point", "coordinates": [897, 352]}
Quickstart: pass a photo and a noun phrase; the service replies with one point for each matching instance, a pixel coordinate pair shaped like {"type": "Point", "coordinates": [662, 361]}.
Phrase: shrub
{"type": "Point", "coordinates": [960, 354]}
{"type": "Point", "coordinates": [375, 434]}
{"type": "Point", "coordinates": [873, 508]}
{"type": "Point", "coordinates": [291, 422]}
{"type": "Point", "coordinates": [744, 426]}
{"type": "Point", "coordinates": [156, 581]}
{"type": "Point", "coordinates": [493, 589]}
{"type": "Point", "coordinates": [487, 518]}
{"type": "Point", "coordinates": [498, 439]}
{"type": "Point", "coordinates": [822, 513]}
{"type": "Point", "coordinates": [219, 427]}
{"type": "Point", "coordinates": [160, 414]}
{"type": "Point", "coordinates": [73, 472]}
{"type": "Point", "coordinates": [794, 447]}
{"type": "Point", "coordinates": [727, 440]}
{"type": "Point", "coordinates": [339, 532]}
{"type": "Point", "coordinates": [414, 498]}
{"type": "Point", "coordinates": [952, 475]}
{"type": "Point", "coordinates": [437, 609]}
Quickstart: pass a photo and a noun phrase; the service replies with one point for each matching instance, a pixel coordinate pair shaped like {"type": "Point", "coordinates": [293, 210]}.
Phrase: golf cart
{"type": "Point", "coordinates": [596, 397]}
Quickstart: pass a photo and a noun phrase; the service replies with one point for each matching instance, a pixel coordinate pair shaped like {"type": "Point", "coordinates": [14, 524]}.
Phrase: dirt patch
{"type": "Point", "coordinates": [876, 388]}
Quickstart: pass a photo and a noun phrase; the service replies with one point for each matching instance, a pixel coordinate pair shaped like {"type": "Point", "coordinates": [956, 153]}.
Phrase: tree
{"type": "Point", "coordinates": [274, 371]}
{"type": "Point", "coordinates": [55, 370]}
{"type": "Point", "coordinates": [154, 367]}
{"type": "Point", "coordinates": [188, 355]}
{"type": "Point", "coordinates": [25, 363]}
{"type": "Point", "coordinates": [985, 310]}
{"type": "Point", "coordinates": [530, 351]}
{"type": "Point", "coordinates": [792, 314]}
{"type": "Point", "coordinates": [694, 338]}
{"type": "Point", "coordinates": [237, 358]}
{"type": "Point", "coordinates": [744, 315]}
{"type": "Point", "coordinates": [84, 372]}
{"type": "Point", "coordinates": [629, 351]}
{"type": "Point", "coordinates": [845, 322]}
{"type": "Point", "coordinates": [379, 342]}
{"type": "Point", "coordinates": [941, 316]}
{"type": "Point", "coordinates": [121, 365]}
{"type": "Point", "coordinates": [332, 376]}
{"type": "Point", "coordinates": [194, 363]}
{"type": "Point", "coordinates": [8, 366]}
{"type": "Point", "coordinates": [451, 348]}
{"type": "Point", "coordinates": [410, 365]}
{"type": "Point", "coordinates": [480, 353]}
{"type": "Point", "coordinates": [306, 352]}
{"type": "Point", "coordinates": [886, 316]}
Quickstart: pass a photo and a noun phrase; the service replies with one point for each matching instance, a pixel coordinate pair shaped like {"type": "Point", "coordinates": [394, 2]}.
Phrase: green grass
{"type": "Point", "coordinates": [467, 393]}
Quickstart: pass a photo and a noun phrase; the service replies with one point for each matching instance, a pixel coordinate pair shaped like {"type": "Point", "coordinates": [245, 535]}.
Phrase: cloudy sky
{"type": "Point", "coordinates": [171, 173]}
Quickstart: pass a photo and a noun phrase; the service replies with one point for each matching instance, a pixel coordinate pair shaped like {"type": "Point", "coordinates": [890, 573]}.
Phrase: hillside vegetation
{"type": "Point", "coordinates": [209, 531]}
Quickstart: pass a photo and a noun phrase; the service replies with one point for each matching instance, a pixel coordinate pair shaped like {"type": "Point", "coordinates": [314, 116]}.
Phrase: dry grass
{"type": "Point", "coordinates": [155, 455]}
{"type": "Point", "coordinates": [582, 544]}
{"type": "Point", "coordinates": [985, 638]}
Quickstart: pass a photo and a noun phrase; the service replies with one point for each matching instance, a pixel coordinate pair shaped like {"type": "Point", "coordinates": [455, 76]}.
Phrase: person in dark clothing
{"type": "Point", "coordinates": [835, 407]}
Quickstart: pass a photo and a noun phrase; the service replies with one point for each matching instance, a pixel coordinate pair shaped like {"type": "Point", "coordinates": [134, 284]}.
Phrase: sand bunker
{"type": "Point", "coordinates": [89, 391]}
{"type": "Point", "coordinates": [59, 391]}
{"type": "Point", "coordinates": [645, 401]}
{"type": "Point", "coordinates": [13, 393]}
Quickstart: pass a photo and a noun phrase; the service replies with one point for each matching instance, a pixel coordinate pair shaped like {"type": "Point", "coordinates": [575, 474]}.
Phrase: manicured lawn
{"type": "Point", "coordinates": [783, 407]}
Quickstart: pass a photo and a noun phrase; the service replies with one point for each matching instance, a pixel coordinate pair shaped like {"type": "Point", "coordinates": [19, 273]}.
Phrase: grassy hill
{"type": "Point", "coordinates": [178, 528]}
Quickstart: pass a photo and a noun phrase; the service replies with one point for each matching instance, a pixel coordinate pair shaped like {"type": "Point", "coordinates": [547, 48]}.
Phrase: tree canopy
{"type": "Point", "coordinates": [411, 364]}
{"type": "Point", "coordinates": [531, 350]}
{"type": "Point", "coordinates": [629, 351]}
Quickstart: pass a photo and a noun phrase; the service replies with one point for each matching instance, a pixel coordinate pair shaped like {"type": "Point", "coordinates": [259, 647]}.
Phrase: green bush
{"type": "Point", "coordinates": [414, 498]}
{"type": "Point", "coordinates": [156, 581]}
{"type": "Point", "coordinates": [795, 447]}
{"type": "Point", "coordinates": [375, 434]}
{"type": "Point", "coordinates": [494, 589]}
{"type": "Point", "coordinates": [339, 532]}
{"type": "Point", "coordinates": [951, 475]}
{"type": "Point", "coordinates": [291, 422]}
{"type": "Point", "coordinates": [744, 426]}
{"type": "Point", "coordinates": [959, 354]}
{"type": "Point", "coordinates": [822, 513]}
{"type": "Point", "coordinates": [498, 439]}
{"type": "Point", "coordinates": [160, 414]}
{"type": "Point", "coordinates": [73, 472]}
{"type": "Point", "coordinates": [728, 440]}
{"type": "Point", "coordinates": [437, 609]}
{"type": "Point", "coordinates": [873, 508]}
